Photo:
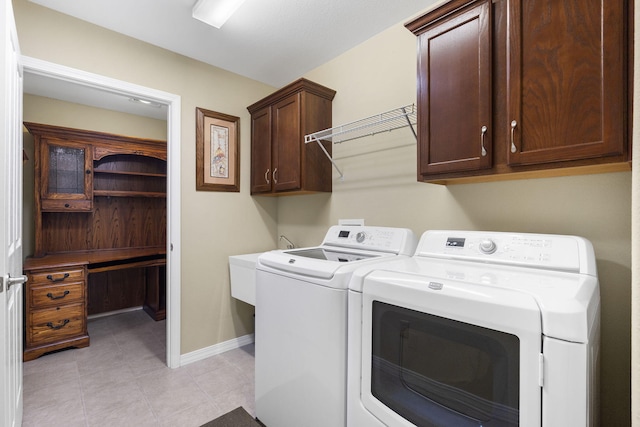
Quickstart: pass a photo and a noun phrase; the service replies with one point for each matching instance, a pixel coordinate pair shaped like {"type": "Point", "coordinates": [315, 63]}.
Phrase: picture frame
{"type": "Point", "coordinates": [217, 151]}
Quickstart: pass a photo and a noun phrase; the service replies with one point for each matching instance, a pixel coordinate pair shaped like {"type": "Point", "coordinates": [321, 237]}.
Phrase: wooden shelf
{"type": "Point", "coordinates": [129, 173]}
{"type": "Point", "coordinates": [109, 193]}
{"type": "Point", "coordinates": [137, 264]}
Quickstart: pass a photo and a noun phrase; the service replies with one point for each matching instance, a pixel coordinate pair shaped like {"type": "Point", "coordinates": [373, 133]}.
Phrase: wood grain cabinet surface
{"type": "Point", "coordinates": [515, 88]}
{"type": "Point", "coordinates": [55, 310]}
{"type": "Point", "coordinates": [281, 163]}
{"type": "Point", "coordinates": [100, 233]}
{"type": "Point", "coordinates": [65, 175]}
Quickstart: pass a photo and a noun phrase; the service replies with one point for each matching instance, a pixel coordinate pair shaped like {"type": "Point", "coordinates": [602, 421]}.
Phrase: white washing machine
{"type": "Point", "coordinates": [477, 329]}
{"type": "Point", "coordinates": [301, 323]}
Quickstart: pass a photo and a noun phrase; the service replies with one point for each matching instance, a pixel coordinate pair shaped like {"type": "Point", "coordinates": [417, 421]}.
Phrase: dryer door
{"type": "Point", "coordinates": [442, 353]}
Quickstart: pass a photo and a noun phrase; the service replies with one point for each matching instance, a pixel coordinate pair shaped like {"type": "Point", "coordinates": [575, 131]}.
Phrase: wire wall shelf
{"type": "Point", "coordinates": [383, 122]}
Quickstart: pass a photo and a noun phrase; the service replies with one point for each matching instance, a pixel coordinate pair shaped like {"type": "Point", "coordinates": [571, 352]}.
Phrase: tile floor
{"type": "Point", "coordinates": [121, 380]}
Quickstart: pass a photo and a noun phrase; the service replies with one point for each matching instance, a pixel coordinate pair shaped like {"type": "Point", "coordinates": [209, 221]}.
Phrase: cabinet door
{"type": "Point", "coordinates": [261, 172]}
{"type": "Point", "coordinates": [454, 92]}
{"type": "Point", "coordinates": [566, 80]}
{"type": "Point", "coordinates": [287, 139]}
{"type": "Point", "coordinates": [66, 176]}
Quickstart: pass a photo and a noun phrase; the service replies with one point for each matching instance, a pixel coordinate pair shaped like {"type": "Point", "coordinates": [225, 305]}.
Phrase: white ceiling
{"type": "Point", "coordinates": [36, 84]}
{"type": "Point", "coordinates": [272, 41]}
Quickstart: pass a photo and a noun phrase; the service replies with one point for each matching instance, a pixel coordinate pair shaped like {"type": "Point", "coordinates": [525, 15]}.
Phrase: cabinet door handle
{"type": "Point", "coordinates": [275, 176]}
{"type": "Point", "coordinates": [50, 295]}
{"type": "Point", "coordinates": [266, 176]}
{"type": "Point", "coordinates": [59, 279]}
{"type": "Point", "coordinates": [483, 132]}
{"type": "Point", "coordinates": [60, 326]}
{"type": "Point", "coordinates": [513, 129]}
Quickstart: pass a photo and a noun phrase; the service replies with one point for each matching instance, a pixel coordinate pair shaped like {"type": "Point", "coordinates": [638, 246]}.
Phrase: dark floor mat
{"type": "Point", "coordinates": [236, 418]}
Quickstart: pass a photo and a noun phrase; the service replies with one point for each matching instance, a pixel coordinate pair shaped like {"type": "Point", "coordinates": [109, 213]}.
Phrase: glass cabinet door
{"type": "Point", "coordinates": [66, 176]}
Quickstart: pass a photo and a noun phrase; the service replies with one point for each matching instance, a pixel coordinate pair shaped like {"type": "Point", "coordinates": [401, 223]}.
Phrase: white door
{"type": "Point", "coordinates": [11, 279]}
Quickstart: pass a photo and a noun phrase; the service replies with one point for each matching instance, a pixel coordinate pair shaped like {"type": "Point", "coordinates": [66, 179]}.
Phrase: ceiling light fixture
{"type": "Point", "coordinates": [215, 12]}
{"type": "Point", "coordinates": [145, 102]}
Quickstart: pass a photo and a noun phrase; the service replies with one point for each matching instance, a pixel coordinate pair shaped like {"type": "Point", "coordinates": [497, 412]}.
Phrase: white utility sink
{"type": "Point", "coordinates": [243, 277]}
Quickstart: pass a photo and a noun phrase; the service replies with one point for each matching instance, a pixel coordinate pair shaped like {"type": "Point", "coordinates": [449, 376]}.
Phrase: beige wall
{"type": "Point", "coordinates": [379, 183]}
{"type": "Point", "coordinates": [38, 109]}
{"type": "Point", "coordinates": [214, 225]}
{"type": "Point", "coordinates": [380, 186]}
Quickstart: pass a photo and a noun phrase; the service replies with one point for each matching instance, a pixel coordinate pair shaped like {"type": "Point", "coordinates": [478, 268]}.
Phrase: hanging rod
{"type": "Point", "coordinates": [383, 122]}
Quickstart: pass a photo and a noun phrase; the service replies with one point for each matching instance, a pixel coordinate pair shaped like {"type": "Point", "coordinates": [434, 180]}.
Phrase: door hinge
{"type": "Point", "coordinates": [541, 370]}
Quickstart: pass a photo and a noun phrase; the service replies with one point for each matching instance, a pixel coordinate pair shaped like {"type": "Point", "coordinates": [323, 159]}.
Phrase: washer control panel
{"type": "Point", "coordinates": [383, 239]}
{"type": "Point", "coordinates": [547, 251]}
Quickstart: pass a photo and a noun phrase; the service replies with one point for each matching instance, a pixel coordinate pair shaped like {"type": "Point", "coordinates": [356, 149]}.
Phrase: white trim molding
{"type": "Point", "coordinates": [204, 353]}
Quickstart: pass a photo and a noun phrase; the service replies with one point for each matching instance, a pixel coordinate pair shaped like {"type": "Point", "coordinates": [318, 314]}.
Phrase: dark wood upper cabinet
{"type": "Point", "coordinates": [261, 151]}
{"type": "Point", "coordinates": [281, 163]}
{"type": "Point", "coordinates": [454, 91]}
{"type": "Point", "coordinates": [549, 80]}
{"type": "Point", "coordinates": [287, 147]}
{"type": "Point", "coordinates": [566, 80]}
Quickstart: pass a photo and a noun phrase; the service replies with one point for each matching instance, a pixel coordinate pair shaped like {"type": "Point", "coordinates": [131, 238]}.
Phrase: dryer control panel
{"type": "Point", "coordinates": [545, 251]}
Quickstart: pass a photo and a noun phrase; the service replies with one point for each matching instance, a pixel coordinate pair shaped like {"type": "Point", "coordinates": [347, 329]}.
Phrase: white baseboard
{"type": "Point", "coordinates": [213, 350]}
{"type": "Point", "coordinates": [111, 313]}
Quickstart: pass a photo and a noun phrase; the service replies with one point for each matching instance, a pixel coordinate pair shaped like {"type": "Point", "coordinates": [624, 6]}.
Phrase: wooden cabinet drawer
{"type": "Point", "coordinates": [56, 324]}
{"type": "Point", "coordinates": [56, 276]}
{"type": "Point", "coordinates": [54, 205]}
{"type": "Point", "coordinates": [53, 295]}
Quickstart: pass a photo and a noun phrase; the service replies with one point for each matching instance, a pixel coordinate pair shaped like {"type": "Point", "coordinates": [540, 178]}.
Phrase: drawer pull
{"type": "Point", "coordinates": [60, 279]}
{"type": "Point", "coordinates": [64, 322]}
{"type": "Point", "coordinates": [50, 295]}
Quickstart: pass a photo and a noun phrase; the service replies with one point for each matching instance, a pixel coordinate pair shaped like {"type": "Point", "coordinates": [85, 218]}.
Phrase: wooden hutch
{"type": "Point", "coordinates": [100, 233]}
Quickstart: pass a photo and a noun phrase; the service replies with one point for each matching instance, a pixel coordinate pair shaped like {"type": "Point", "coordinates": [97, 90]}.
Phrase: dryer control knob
{"type": "Point", "coordinates": [488, 246]}
{"type": "Point", "coordinates": [360, 236]}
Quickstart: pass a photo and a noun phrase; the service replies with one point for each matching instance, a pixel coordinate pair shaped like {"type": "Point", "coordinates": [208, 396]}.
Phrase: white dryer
{"type": "Point", "coordinates": [301, 323]}
{"type": "Point", "coordinates": [477, 329]}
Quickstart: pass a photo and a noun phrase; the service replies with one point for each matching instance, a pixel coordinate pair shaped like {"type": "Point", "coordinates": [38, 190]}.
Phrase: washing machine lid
{"type": "Point", "coordinates": [317, 262]}
{"type": "Point", "coordinates": [330, 254]}
{"type": "Point", "coordinates": [344, 248]}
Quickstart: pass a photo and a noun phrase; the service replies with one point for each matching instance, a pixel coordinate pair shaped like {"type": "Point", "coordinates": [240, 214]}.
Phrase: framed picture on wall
{"type": "Point", "coordinates": [217, 151]}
